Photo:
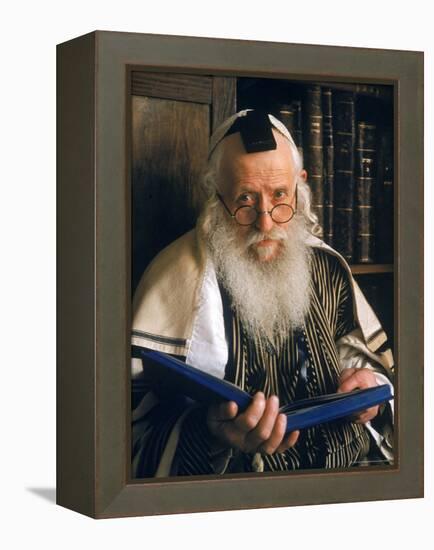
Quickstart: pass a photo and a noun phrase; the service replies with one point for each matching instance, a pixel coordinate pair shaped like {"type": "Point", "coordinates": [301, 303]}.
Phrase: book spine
{"type": "Point", "coordinates": [298, 125]}
{"type": "Point", "coordinates": [313, 149]}
{"type": "Point", "coordinates": [286, 115]}
{"type": "Point", "coordinates": [344, 140]}
{"type": "Point", "coordinates": [291, 116]}
{"type": "Point", "coordinates": [377, 92]}
{"type": "Point", "coordinates": [365, 172]}
{"type": "Point", "coordinates": [384, 202]}
{"type": "Point", "coordinates": [329, 155]}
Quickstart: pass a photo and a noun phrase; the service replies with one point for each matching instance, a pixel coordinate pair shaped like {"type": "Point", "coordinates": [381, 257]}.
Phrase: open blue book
{"type": "Point", "coordinates": [164, 371]}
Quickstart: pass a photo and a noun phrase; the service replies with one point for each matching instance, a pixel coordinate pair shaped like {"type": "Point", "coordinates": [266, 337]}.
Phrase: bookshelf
{"type": "Point", "coordinates": [344, 131]}
{"type": "Point", "coordinates": [344, 134]}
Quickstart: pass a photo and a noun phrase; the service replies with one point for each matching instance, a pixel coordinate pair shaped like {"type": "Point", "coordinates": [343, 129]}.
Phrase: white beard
{"type": "Point", "coordinates": [271, 296]}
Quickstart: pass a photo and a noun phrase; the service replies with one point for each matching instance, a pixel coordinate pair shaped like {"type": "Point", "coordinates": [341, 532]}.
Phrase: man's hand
{"type": "Point", "coordinates": [352, 379]}
{"type": "Point", "coordinates": [260, 428]}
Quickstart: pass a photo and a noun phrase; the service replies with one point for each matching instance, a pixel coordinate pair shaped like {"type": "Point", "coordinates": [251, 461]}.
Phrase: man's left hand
{"type": "Point", "coordinates": [352, 379]}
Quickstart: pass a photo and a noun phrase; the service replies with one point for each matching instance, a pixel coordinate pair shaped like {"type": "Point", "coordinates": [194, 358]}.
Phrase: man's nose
{"type": "Point", "coordinates": [264, 222]}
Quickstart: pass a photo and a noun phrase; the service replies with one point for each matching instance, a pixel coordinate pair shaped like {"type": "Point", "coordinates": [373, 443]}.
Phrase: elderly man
{"type": "Point", "coordinates": [253, 296]}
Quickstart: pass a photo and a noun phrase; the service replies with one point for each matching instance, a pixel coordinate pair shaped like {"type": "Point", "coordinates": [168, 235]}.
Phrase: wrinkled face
{"type": "Point", "coordinates": [262, 180]}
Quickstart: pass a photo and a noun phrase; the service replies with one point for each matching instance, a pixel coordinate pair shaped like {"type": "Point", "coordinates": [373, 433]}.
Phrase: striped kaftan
{"type": "Point", "coordinates": [303, 364]}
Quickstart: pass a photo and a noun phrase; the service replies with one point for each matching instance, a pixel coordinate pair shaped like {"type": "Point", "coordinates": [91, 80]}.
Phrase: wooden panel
{"type": "Point", "coordinates": [224, 99]}
{"type": "Point", "coordinates": [181, 87]}
{"type": "Point", "coordinates": [76, 275]}
{"type": "Point", "coordinates": [169, 151]}
{"type": "Point", "coordinates": [367, 269]}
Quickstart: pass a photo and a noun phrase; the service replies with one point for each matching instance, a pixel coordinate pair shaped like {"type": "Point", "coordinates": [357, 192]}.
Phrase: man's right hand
{"type": "Point", "coordinates": [259, 429]}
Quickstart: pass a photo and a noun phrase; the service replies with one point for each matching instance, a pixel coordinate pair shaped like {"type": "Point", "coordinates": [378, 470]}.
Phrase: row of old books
{"type": "Point", "coordinates": [349, 160]}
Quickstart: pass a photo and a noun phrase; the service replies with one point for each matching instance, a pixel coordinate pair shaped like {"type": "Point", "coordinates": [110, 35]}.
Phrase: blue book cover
{"type": "Point", "coordinates": [165, 371]}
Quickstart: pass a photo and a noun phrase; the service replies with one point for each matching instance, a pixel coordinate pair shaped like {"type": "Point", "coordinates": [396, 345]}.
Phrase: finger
{"type": "Point", "coordinates": [271, 445]}
{"type": "Point", "coordinates": [221, 412]}
{"type": "Point", "coordinates": [248, 420]}
{"type": "Point", "coordinates": [228, 410]}
{"type": "Point", "coordinates": [366, 415]}
{"type": "Point", "coordinates": [264, 429]}
{"type": "Point", "coordinates": [349, 383]}
{"type": "Point", "coordinates": [362, 378]}
{"type": "Point", "coordinates": [288, 441]}
{"type": "Point", "coordinates": [346, 373]}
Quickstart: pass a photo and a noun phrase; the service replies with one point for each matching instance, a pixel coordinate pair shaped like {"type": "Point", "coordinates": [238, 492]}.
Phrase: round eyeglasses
{"type": "Point", "coordinates": [247, 215]}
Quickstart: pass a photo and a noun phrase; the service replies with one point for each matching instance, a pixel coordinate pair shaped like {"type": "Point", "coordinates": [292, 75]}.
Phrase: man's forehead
{"type": "Point", "coordinates": [235, 159]}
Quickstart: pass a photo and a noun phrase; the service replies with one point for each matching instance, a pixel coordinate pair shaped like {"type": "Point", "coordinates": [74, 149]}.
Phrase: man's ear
{"type": "Point", "coordinates": [303, 175]}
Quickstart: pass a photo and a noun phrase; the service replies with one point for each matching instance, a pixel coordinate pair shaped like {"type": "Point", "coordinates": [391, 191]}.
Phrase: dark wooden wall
{"type": "Point", "coordinates": [173, 116]}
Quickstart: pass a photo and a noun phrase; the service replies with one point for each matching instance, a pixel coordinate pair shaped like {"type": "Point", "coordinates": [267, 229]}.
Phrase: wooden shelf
{"type": "Point", "coordinates": [369, 269]}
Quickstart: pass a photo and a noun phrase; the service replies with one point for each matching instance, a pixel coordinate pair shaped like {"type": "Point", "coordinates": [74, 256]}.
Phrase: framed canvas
{"type": "Point", "coordinates": [105, 80]}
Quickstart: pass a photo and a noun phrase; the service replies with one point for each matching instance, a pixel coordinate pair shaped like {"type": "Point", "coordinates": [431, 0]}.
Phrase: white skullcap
{"type": "Point", "coordinates": [225, 126]}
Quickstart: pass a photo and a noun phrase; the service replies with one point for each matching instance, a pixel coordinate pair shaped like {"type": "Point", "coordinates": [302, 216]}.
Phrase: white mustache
{"type": "Point", "coordinates": [276, 233]}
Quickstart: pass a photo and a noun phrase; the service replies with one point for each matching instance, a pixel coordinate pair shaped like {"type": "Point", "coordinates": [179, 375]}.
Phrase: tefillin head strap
{"type": "Point", "coordinates": [256, 131]}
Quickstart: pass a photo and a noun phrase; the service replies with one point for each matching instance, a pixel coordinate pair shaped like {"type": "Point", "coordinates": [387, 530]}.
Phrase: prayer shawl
{"type": "Point", "coordinates": [178, 309]}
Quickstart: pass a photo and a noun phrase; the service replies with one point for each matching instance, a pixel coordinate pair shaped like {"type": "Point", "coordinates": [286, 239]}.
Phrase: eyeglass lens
{"type": "Point", "coordinates": [281, 213]}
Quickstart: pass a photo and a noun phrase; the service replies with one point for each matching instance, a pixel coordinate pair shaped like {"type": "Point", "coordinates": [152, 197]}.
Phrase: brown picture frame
{"type": "Point", "coordinates": [94, 288]}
